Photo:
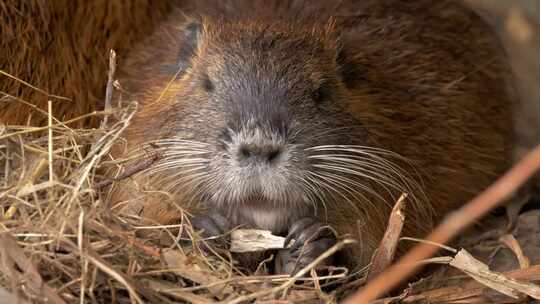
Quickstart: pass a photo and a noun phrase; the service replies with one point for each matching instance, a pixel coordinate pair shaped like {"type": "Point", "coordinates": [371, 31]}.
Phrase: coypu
{"type": "Point", "coordinates": [290, 118]}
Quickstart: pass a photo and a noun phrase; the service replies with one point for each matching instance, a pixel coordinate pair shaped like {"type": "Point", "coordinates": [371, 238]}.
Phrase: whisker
{"type": "Point", "coordinates": [365, 162]}
{"type": "Point", "coordinates": [324, 187]}
{"type": "Point", "coordinates": [373, 164]}
{"type": "Point", "coordinates": [382, 180]}
{"type": "Point", "coordinates": [176, 165]}
{"type": "Point", "coordinates": [356, 149]}
{"type": "Point", "coordinates": [376, 153]}
{"type": "Point", "coordinates": [325, 180]}
{"type": "Point", "coordinates": [180, 185]}
{"type": "Point", "coordinates": [177, 141]}
{"type": "Point", "coordinates": [358, 196]}
{"type": "Point", "coordinates": [192, 186]}
{"type": "Point", "coordinates": [369, 151]}
{"type": "Point", "coordinates": [360, 185]}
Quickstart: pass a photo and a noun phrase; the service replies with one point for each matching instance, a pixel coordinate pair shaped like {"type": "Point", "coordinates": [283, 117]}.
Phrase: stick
{"type": "Point", "coordinates": [109, 89]}
{"type": "Point", "coordinates": [387, 249]}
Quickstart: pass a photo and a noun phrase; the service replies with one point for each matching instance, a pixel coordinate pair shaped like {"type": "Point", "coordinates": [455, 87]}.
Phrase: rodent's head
{"type": "Point", "coordinates": [258, 113]}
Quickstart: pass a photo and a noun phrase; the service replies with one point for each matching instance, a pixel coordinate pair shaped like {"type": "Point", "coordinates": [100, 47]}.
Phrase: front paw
{"type": "Point", "coordinates": [213, 227]}
{"type": "Point", "coordinates": [311, 239]}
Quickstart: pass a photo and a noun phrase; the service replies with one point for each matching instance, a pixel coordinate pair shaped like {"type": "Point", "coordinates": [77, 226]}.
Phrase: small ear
{"type": "Point", "coordinates": [191, 34]}
{"type": "Point", "coordinates": [351, 71]}
{"type": "Point", "coordinates": [346, 67]}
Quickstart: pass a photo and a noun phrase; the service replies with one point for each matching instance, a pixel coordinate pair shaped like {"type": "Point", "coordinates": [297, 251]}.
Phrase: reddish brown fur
{"type": "Point", "coordinates": [62, 47]}
{"type": "Point", "coordinates": [432, 88]}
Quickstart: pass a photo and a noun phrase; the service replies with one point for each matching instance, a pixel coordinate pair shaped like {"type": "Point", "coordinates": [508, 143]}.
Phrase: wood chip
{"type": "Point", "coordinates": [248, 240]}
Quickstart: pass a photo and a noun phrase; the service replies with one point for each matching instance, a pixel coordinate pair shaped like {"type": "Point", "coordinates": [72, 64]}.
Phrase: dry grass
{"type": "Point", "coordinates": [61, 241]}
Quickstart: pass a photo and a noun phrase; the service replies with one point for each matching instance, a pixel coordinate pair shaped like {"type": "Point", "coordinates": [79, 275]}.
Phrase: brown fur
{"type": "Point", "coordinates": [426, 79]}
{"type": "Point", "coordinates": [62, 47]}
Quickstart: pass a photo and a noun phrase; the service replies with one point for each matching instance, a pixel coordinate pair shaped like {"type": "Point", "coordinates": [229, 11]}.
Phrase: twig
{"type": "Point", "coordinates": [387, 249]}
{"type": "Point", "coordinates": [116, 274]}
{"type": "Point", "coordinates": [132, 170]}
{"type": "Point", "coordinates": [28, 130]}
{"type": "Point", "coordinates": [479, 271]}
{"type": "Point", "coordinates": [50, 140]}
{"type": "Point", "coordinates": [127, 237]}
{"type": "Point", "coordinates": [133, 287]}
{"type": "Point", "coordinates": [451, 226]}
{"type": "Point", "coordinates": [109, 90]}
{"type": "Point", "coordinates": [441, 246]}
{"type": "Point", "coordinates": [511, 242]}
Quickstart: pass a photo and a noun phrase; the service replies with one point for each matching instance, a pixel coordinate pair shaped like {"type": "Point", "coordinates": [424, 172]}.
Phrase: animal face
{"type": "Point", "coordinates": [259, 116]}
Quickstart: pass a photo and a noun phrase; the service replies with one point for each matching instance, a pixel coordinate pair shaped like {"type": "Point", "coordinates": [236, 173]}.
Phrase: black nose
{"type": "Point", "coordinates": [262, 154]}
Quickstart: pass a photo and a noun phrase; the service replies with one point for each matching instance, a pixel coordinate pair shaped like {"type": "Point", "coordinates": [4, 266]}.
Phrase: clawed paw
{"type": "Point", "coordinates": [311, 239]}
{"type": "Point", "coordinates": [213, 227]}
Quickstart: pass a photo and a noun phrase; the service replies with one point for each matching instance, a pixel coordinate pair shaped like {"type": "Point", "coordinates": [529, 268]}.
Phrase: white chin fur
{"type": "Point", "coordinates": [273, 219]}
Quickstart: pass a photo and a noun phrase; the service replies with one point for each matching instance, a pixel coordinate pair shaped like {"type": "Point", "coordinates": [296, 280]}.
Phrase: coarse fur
{"type": "Point", "coordinates": [62, 48]}
{"type": "Point", "coordinates": [273, 112]}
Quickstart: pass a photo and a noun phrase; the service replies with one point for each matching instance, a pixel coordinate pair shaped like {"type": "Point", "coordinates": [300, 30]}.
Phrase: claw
{"type": "Point", "coordinates": [207, 225]}
{"type": "Point", "coordinates": [298, 227]}
{"type": "Point", "coordinates": [312, 238]}
{"type": "Point", "coordinates": [310, 234]}
{"type": "Point", "coordinates": [315, 249]}
{"type": "Point", "coordinates": [212, 225]}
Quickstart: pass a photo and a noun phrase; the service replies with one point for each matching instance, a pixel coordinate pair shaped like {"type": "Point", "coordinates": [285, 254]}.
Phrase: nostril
{"type": "Point", "coordinates": [245, 152]}
{"type": "Point", "coordinates": [273, 155]}
{"type": "Point", "coordinates": [258, 154]}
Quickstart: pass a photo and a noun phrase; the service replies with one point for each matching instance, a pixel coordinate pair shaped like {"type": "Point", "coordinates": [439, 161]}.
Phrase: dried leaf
{"type": "Point", "coordinates": [481, 273]}
{"type": "Point", "coordinates": [196, 273]}
{"type": "Point", "coordinates": [7, 297]}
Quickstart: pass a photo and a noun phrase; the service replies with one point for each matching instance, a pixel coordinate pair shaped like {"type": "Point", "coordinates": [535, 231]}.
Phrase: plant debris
{"type": "Point", "coordinates": [61, 242]}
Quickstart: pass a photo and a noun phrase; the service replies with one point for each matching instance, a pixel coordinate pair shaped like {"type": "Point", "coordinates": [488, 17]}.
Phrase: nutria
{"type": "Point", "coordinates": [290, 118]}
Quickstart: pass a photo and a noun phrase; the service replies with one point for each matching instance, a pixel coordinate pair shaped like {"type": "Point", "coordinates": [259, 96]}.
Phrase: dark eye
{"type": "Point", "coordinates": [320, 94]}
{"type": "Point", "coordinates": [207, 84]}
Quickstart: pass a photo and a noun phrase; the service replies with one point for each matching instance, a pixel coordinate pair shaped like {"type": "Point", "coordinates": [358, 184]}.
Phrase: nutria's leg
{"type": "Point", "coordinates": [213, 225]}
{"type": "Point", "coordinates": [514, 205]}
{"type": "Point", "coordinates": [311, 239]}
